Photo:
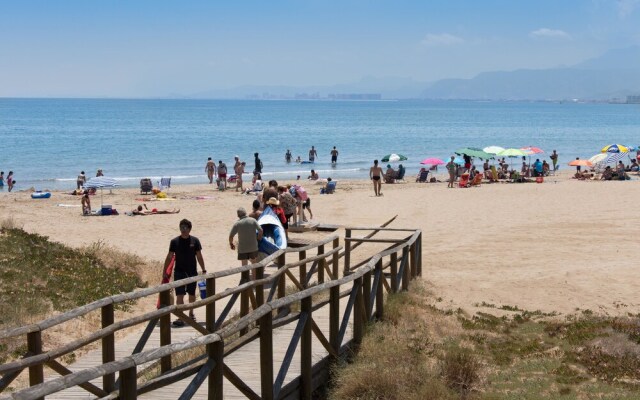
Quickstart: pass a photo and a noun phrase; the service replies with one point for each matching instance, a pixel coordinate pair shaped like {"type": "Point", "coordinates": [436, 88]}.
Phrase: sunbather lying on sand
{"type": "Point", "coordinates": [145, 211]}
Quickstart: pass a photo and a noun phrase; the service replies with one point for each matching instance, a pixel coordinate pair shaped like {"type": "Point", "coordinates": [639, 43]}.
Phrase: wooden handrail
{"type": "Point", "coordinates": [223, 333]}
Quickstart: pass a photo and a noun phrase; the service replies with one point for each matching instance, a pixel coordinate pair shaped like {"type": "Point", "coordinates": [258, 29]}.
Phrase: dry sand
{"type": "Point", "coordinates": [558, 246]}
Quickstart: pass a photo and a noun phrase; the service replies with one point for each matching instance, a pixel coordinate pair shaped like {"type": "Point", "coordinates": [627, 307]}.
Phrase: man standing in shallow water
{"type": "Point", "coordinates": [375, 174]}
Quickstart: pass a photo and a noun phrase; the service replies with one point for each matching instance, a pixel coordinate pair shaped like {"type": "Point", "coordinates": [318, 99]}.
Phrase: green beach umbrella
{"type": "Point", "coordinates": [393, 157]}
{"type": "Point", "coordinates": [474, 152]}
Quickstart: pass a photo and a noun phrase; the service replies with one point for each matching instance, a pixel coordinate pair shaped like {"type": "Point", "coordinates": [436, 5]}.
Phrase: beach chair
{"type": "Point", "coordinates": [477, 180]}
{"type": "Point", "coordinates": [145, 186]}
{"type": "Point", "coordinates": [422, 178]}
{"type": "Point", "coordinates": [494, 174]}
{"type": "Point", "coordinates": [165, 183]}
{"type": "Point", "coordinates": [464, 180]}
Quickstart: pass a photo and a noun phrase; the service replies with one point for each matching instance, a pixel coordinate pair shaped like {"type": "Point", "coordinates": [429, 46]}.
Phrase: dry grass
{"type": "Point", "coordinates": [419, 352]}
{"type": "Point", "coordinates": [41, 278]}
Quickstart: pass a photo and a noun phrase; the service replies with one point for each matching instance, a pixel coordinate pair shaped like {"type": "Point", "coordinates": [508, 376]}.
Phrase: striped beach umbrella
{"type": "Point", "coordinates": [100, 182]}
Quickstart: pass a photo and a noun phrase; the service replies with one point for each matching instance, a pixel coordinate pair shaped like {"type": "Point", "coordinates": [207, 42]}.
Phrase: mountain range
{"type": "Point", "coordinates": [613, 75]}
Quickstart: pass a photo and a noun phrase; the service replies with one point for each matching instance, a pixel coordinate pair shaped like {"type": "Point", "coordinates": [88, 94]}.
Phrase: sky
{"type": "Point", "coordinates": [157, 48]}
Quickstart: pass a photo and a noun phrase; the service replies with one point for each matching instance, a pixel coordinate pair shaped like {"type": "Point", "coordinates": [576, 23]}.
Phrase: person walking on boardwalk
{"type": "Point", "coordinates": [246, 227]}
{"type": "Point", "coordinates": [187, 250]}
{"type": "Point", "coordinates": [375, 174]}
{"type": "Point", "coordinates": [210, 169]}
{"type": "Point", "coordinates": [258, 162]}
{"type": "Point", "coordinates": [334, 156]}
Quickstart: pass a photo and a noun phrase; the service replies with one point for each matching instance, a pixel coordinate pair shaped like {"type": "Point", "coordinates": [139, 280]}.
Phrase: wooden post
{"type": "Point", "coordinates": [129, 384]}
{"type": "Point", "coordinates": [366, 291]}
{"type": "Point", "coordinates": [347, 251]}
{"type": "Point", "coordinates": [306, 351]}
{"type": "Point", "coordinates": [216, 351]}
{"type": "Point", "coordinates": [108, 348]}
{"type": "Point", "coordinates": [34, 347]}
{"type": "Point", "coordinates": [210, 309]}
{"type": "Point", "coordinates": [266, 356]}
{"type": "Point", "coordinates": [336, 259]}
{"type": "Point", "coordinates": [412, 257]}
{"type": "Point", "coordinates": [394, 272]}
{"type": "Point", "coordinates": [334, 316]}
{"type": "Point", "coordinates": [321, 264]}
{"type": "Point", "coordinates": [358, 324]}
{"type": "Point", "coordinates": [259, 288]}
{"type": "Point", "coordinates": [282, 284]}
{"type": "Point", "coordinates": [379, 291]}
{"type": "Point", "coordinates": [303, 269]}
{"type": "Point", "coordinates": [244, 299]}
{"type": "Point", "coordinates": [165, 331]}
{"type": "Point", "coordinates": [406, 273]}
{"type": "Point", "coordinates": [420, 255]}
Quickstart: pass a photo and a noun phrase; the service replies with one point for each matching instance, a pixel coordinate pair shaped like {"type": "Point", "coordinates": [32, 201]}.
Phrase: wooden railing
{"type": "Point", "coordinates": [317, 275]}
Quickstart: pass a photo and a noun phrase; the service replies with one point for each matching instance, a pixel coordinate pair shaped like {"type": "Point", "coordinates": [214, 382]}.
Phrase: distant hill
{"type": "Point", "coordinates": [615, 74]}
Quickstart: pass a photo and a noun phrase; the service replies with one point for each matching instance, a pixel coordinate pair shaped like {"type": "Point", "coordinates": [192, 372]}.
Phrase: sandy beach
{"type": "Point", "coordinates": [558, 246]}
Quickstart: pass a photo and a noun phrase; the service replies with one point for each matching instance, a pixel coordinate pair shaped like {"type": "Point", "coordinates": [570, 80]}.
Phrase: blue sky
{"type": "Point", "coordinates": [155, 48]}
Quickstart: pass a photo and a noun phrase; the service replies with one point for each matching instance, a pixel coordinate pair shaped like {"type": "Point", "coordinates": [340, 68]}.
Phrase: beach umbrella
{"type": "Point", "coordinates": [615, 148]}
{"type": "Point", "coordinates": [393, 157]}
{"type": "Point", "coordinates": [474, 152]}
{"type": "Point", "coordinates": [512, 153]}
{"type": "Point", "coordinates": [100, 182]}
{"type": "Point", "coordinates": [600, 157]}
{"type": "Point", "coordinates": [458, 161]}
{"type": "Point", "coordinates": [581, 163]}
{"type": "Point", "coordinates": [532, 150]}
{"type": "Point", "coordinates": [432, 161]}
{"type": "Point", "coordinates": [493, 149]}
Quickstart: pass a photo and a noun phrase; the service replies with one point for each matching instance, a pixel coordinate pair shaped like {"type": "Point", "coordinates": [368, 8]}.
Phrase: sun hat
{"type": "Point", "coordinates": [273, 201]}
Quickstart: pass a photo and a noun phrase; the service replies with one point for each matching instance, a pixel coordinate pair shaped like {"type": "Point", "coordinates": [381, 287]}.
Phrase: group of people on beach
{"type": "Point", "coordinates": [313, 154]}
{"type": "Point", "coordinates": [238, 168]}
{"type": "Point", "coordinates": [9, 179]}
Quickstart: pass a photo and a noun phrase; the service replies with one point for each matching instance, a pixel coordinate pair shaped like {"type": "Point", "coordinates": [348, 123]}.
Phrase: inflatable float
{"type": "Point", "coordinates": [40, 195]}
{"type": "Point", "coordinates": [307, 162]}
{"type": "Point", "coordinates": [274, 237]}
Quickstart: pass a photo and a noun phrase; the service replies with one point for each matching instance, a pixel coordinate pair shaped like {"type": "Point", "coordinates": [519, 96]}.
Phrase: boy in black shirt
{"type": "Point", "coordinates": [187, 250]}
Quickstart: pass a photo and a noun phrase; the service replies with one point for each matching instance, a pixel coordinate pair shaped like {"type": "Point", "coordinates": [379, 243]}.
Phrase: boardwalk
{"type": "Point", "coordinates": [243, 362]}
{"type": "Point", "coordinates": [263, 336]}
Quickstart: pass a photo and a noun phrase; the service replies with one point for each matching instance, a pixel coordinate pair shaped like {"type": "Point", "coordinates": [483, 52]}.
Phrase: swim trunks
{"type": "Point", "coordinates": [376, 178]}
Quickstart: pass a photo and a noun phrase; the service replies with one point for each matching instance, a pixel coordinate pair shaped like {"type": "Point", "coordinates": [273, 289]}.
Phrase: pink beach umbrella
{"type": "Point", "coordinates": [432, 161]}
{"type": "Point", "coordinates": [532, 150]}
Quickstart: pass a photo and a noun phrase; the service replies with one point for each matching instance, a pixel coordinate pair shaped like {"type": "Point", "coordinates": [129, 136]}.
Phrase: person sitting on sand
{"type": "Point", "coordinates": [634, 166]}
{"type": "Point", "coordinates": [390, 175]}
{"type": "Point", "coordinates": [607, 174]}
{"type": "Point", "coordinates": [545, 168]}
{"type": "Point", "coordinates": [314, 176]}
{"type": "Point", "coordinates": [140, 211]}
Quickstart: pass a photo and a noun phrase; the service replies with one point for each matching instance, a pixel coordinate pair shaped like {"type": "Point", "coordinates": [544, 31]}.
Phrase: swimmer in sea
{"type": "Point", "coordinates": [375, 174]}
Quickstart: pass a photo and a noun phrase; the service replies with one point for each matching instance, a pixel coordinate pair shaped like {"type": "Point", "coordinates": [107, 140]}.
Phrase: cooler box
{"type": "Point", "coordinates": [105, 210]}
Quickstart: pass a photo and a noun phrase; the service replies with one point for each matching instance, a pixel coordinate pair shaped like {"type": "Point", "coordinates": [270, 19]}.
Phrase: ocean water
{"type": "Point", "coordinates": [47, 142]}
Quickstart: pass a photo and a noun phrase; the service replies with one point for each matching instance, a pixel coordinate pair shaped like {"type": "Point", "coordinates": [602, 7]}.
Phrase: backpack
{"type": "Point", "coordinates": [300, 192]}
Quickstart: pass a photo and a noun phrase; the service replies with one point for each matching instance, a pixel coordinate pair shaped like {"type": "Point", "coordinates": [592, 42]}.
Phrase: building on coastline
{"type": "Point", "coordinates": [356, 96]}
{"type": "Point", "coordinates": [633, 99]}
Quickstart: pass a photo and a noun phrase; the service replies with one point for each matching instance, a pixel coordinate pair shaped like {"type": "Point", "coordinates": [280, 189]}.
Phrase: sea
{"type": "Point", "coordinates": [47, 142]}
